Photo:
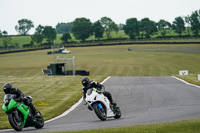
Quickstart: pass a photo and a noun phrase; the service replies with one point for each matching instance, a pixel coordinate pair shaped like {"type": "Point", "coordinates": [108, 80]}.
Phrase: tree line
{"type": "Point", "coordinates": [83, 28]}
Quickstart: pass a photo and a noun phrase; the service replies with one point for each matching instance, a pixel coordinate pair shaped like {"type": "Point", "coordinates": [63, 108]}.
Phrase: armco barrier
{"type": "Point", "coordinates": [102, 44]}
{"type": "Point", "coordinates": [24, 50]}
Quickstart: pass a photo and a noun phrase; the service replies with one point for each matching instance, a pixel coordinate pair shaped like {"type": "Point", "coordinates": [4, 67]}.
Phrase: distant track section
{"type": "Point", "coordinates": [100, 44]}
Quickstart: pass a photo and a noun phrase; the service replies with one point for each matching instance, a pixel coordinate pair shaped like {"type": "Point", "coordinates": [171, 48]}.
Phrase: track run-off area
{"type": "Point", "coordinates": [143, 100]}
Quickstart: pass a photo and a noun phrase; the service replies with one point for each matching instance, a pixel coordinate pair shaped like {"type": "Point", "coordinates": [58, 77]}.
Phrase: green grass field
{"type": "Point", "coordinates": [21, 40]}
{"type": "Point", "coordinates": [52, 95]}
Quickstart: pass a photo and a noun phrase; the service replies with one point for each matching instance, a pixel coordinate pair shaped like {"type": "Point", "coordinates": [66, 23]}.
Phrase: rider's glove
{"type": "Point", "coordinates": [102, 90]}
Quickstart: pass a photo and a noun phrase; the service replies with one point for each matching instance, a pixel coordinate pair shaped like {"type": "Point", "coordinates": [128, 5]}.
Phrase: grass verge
{"type": "Point", "coordinates": [191, 78]}
{"type": "Point", "coordinates": [189, 126]}
{"type": "Point", "coordinates": [52, 95]}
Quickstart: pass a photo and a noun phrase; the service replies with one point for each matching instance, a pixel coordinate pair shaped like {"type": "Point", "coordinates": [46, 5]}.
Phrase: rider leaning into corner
{"type": "Point", "coordinates": [19, 97]}
{"type": "Point", "coordinates": [94, 84]}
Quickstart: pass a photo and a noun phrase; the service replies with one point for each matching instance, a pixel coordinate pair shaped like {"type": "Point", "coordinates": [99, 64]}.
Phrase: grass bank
{"type": "Point", "coordinates": [189, 126]}
{"type": "Point", "coordinates": [52, 95]}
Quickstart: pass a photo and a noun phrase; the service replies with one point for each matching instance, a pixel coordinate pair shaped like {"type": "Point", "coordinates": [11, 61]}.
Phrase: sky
{"type": "Point", "coordinates": [52, 12]}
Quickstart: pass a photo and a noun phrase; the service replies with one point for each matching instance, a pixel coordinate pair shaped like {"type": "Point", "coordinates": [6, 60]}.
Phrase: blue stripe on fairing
{"type": "Point", "coordinates": [99, 104]}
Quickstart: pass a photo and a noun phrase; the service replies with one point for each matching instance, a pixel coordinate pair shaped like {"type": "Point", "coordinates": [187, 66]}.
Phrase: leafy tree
{"type": "Point", "coordinates": [121, 26]}
{"type": "Point", "coordinates": [82, 28]}
{"type": "Point", "coordinates": [147, 27]}
{"type": "Point", "coordinates": [66, 37]}
{"type": "Point", "coordinates": [5, 33]}
{"type": "Point", "coordinates": [131, 28]}
{"type": "Point", "coordinates": [163, 26]}
{"type": "Point", "coordinates": [24, 26]}
{"type": "Point", "coordinates": [39, 29]}
{"type": "Point", "coordinates": [195, 22]}
{"type": "Point", "coordinates": [38, 35]}
{"type": "Point", "coordinates": [187, 22]}
{"type": "Point", "coordinates": [108, 26]}
{"type": "Point", "coordinates": [5, 38]}
{"type": "Point", "coordinates": [31, 42]}
{"type": "Point", "coordinates": [63, 28]}
{"type": "Point", "coordinates": [17, 45]}
{"type": "Point", "coordinates": [98, 30]}
{"type": "Point", "coordinates": [178, 25]}
{"type": "Point", "coordinates": [49, 34]}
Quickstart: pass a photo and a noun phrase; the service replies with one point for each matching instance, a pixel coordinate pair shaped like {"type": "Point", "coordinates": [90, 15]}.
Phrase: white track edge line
{"type": "Point", "coordinates": [66, 112]}
{"type": "Point", "coordinates": [5, 130]}
{"type": "Point", "coordinates": [73, 107]}
{"type": "Point", "coordinates": [185, 82]}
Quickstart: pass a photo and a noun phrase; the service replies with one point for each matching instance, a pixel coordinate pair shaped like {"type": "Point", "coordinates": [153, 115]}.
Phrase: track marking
{"type": "Point", "coordinates": [185, 82]}
{"type": "Point", "coordinates": [105, 80]}
{"type": "Point", "coordinates": [73, 107]}
{"type": "Point", "coordinates": [5, 130]}
{"type": "Point", "coordinates": [66, 112]}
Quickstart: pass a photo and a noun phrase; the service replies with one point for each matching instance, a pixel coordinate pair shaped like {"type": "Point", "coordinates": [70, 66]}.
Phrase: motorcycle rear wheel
{"type": "Point", "coordinates": [101, 113]}
{"type": "Point", "coordinates": [118, 113]}
{"type": "Point", "coordinates": [17, 124]}
{"type": "Point", "coordinates": [39, 123]}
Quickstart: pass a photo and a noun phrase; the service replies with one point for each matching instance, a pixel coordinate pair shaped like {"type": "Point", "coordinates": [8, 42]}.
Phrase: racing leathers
{"type": "Point", "coordinates": [19, 97]}
{"type": "Point", "coordinates": [99, 87]}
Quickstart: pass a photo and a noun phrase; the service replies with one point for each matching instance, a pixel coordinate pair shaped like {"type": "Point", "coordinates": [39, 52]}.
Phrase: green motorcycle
{"type": "Point", "coordinates": [19, 115]}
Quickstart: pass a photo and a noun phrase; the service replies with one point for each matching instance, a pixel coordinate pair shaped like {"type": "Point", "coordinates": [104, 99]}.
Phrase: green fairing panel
{"type": "Point", "coordinates": [12, 104]}
{"type": "Point", "coordinates": [23, 109]}
{"type": "Point", "coordinates": [4, 108]}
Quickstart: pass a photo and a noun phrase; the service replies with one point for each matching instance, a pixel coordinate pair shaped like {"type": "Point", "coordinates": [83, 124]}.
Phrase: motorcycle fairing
{"type": "Point", "coordinates": [20, 107]}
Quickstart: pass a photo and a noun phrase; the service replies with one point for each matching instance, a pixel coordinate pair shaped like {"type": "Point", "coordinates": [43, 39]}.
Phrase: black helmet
{"type": "Point", "coordinates": [7, 87]}
{"type": "Point", "coordinates": [85, 81]}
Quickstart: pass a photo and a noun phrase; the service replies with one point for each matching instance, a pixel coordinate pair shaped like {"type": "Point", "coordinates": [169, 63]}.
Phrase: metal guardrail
{"type": "Point", "coordinates": [177, 40]}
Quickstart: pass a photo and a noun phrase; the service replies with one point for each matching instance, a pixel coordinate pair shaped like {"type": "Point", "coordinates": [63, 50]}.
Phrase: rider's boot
{"type": "Point", "coordinates": [113, 103]}
{"type": "Point", "coordinates": [34, 110]}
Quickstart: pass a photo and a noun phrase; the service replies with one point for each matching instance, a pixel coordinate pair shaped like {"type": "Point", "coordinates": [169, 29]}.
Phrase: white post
{"type": "Point", "coordinates": [65, 60]}
{"type": "Point", "coordinates": [57, 59]}
{"type": "Point", "coordinates": [52, 50]}
{"type": "Point", "coordinates": [73, 65]}
{"type": "Point", "coordinates": [199, 77]}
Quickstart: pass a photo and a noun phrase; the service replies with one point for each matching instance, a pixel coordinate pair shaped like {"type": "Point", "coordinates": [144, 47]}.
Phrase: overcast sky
{"type": "Point", "coordinates": [52, 12]}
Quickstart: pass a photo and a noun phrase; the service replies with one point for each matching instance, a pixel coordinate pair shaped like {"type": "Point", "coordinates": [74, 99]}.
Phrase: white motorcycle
{"type": "Point", "coordinates": [101, 105]}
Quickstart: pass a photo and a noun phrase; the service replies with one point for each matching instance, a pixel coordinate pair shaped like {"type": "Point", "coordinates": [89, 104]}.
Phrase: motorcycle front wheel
{"type": "Point", "coordinates": [16, 120]}
{"type": "Point", "coordinates": [100, 112]}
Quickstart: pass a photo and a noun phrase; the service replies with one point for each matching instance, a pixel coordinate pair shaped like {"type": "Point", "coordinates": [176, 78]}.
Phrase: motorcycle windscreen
{"type": "Point", "coordinates": [89, 91]}
{"type": "Point", "coordinates": [8, 97]}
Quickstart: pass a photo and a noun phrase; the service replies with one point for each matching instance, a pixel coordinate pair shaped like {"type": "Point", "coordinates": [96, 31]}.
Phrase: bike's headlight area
{"type": "Point", "coordinates": [5, 100]}
{"type": "Point", "coordinates": [6, 103]}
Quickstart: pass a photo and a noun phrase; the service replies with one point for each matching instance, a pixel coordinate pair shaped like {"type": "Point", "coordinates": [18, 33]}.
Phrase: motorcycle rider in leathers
{"type": "Point", "coordinates": [19, 97]}
{"type": "Point", "coordinates": [94, 84]}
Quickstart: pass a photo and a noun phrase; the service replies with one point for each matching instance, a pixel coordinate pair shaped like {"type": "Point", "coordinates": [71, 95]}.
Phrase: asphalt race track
{"type": "Point", "coordinates": [142, 100]}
